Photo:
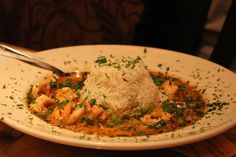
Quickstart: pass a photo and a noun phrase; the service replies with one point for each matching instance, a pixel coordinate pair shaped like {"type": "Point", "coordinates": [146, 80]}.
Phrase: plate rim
{"type": "Point", "coordinates": [112, 145]}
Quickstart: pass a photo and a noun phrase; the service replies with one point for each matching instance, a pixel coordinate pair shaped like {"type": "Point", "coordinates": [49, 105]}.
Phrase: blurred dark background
{"type": "Point", "coordinates": [175, 25]}
{"type": "Point", "coordinates": [45, 24]}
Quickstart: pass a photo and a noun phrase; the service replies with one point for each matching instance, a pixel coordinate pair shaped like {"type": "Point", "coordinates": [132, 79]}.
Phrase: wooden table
{"type": "Point", "coordinates": [27, 146]}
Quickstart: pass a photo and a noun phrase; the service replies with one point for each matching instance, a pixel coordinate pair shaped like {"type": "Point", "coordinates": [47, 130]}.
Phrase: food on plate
{"type": "Point", "coordinates": [117, 96]}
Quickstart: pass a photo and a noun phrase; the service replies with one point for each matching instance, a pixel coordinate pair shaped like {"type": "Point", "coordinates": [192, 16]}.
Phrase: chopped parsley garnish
{"type": "Point", "coordinates": [139, 133]}
{"type": "Point", "coordinates": [30, 97]}
{"type": "Point", "coordinates": [63, 103]}
{"type": "Point", "coordinates": [174, 108]}
{"type": "Point", "coordinates": [145, 50]}
{"type": "Point", "coordinates": [169, 107]}
{"type": "Point", "coordinates": [101, 60]}
{"type": "Point", "coordinates": [132, 62]}
{"type": "Point", "coordinates": [216, 105]}
{"type": "Point", "coordinates": [188, 98]}
{"type": "Point", "coordinates": [20, 106]}
{"type": "Point", "coordinates": [145, 111]}
{"type": "Point", "coordinates": [168, 69]}
{"type": "Point", "coordinates": [53, 84]}
{"type": "Point", "coordinates": [116, 120]}
{"type": "Point", "coordinates": [92, 102]}
{"type": "Point", "coordinates": [160, 124]}
{"type": "Point", "coordinates": [81, 105]}
{"type": "Point", "coordinates": [158, 81]}
{"type": "Point", "coordinates": [50, 110]}
{"type": "Point", "coordinates": [4, 86]}
{"type": "Point", "coordinates": [68, 83]}
{"type": "Point", "coordinates": [87, 120]}
{"type": "Point", "coordinates": [181, 88]}
{"type": "Point", "coordinates": [159, 65]}
{"type": "Point", "coordinates": [125, 117]}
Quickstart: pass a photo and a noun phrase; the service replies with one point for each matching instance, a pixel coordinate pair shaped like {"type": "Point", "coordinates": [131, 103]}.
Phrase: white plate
{"type": "Point", "coordinates": [219, 83]}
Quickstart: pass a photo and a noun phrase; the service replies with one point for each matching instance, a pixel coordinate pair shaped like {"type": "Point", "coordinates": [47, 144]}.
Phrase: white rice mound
{"type": "Point", "coordinates": [121, 83]}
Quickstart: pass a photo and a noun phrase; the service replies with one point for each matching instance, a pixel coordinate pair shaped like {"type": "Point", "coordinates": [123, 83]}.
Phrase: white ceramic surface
{"type": "Point", "coordinates": [218, 83]}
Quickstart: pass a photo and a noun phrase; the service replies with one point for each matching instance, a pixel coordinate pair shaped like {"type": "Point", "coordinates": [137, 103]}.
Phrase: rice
{"type": "Point", "coordinates": [120, 83]}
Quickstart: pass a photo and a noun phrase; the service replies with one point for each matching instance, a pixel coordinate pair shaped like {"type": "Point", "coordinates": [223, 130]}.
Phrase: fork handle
{"type": "Point", "coordinates": [13, 53]}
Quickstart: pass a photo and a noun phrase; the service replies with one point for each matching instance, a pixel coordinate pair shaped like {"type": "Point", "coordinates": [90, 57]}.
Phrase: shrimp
{"type": "Point", "coordinates": [44, 86]}
{"type": "Point", "coordinates": [155, 116]}
{"type": "Point", "coordinates": [41, 104]}
{"type": "Point", "coordinates": [88, 110]}
{"type": "Point", "coordinates": [148, 119]}
{"type": "Point", "coordinates": [95, 112]}
{"type": "Point", "coordinates": [103, 116]}
{"type": "Point", "coordinates": [60, 113]}
{"type": "Point", "coordinates": [67, 115]}
{"type": "Point", "coordinates": [72, 113]}
{"type": "Point", "coordinates": [75, 116]}
{"type": "Point", "coordinates": [65, 93]}
{"type": "Point", "coordinates": [55, 117]}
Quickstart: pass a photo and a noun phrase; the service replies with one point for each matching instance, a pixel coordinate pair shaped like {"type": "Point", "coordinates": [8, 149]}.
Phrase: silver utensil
{"type": "Point", "coordinates": [13, 53]}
